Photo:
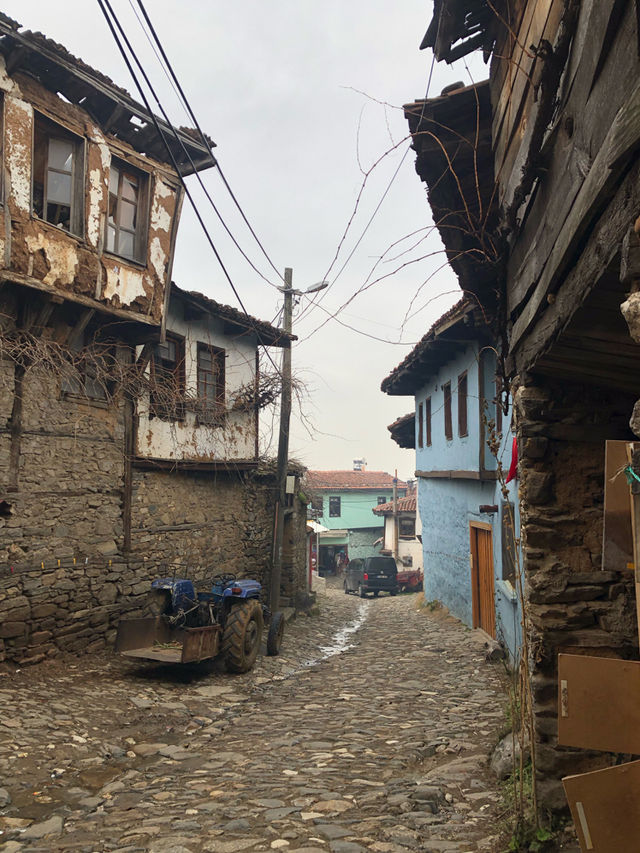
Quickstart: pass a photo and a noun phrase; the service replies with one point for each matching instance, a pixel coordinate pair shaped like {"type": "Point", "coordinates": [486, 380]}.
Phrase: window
{"type": "Point", "coordinates": [427, 420]}
{"type": "Point", "coordinates": [167, 380]}
{"type": "Point", "coordinates": [382, 499]}
{"type": "Point", "coordinates": [448, 429]}
{"type": "Point", "coordinates": [90, 372]}
{"type": "Point", "coordinates": [58, 176]}
{"type": "Point", "coordinates": [211, 379]}
{"type": "Point", "coordinates": [406, 527]}
{"type": "Point", "coordinates": [125, 234]}
{"type": "Point", "coordinates": [462, 405]}
{"type": "Point", "coordinates": [334, 508]}
{"type": "Point", "coordinates": [508, 542]}
{"type": "Point", "coordinates": [420, 426]}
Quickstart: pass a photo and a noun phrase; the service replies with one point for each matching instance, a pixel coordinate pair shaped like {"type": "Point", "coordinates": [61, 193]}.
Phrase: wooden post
{"type": "Point", "coordinates": [283, 444]}
{"type": "Point", "coordinates": [634, 456]}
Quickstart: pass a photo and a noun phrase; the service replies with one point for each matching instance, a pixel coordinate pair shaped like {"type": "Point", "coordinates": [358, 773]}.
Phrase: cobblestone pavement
{"type": "Point", "coordinates": [381, 747]}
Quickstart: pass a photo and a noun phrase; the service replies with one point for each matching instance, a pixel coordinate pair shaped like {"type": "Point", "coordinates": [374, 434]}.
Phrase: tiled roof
{"type": "Point", "coordinates": [464, 323]}
{"type": "Point", "coordinates": [351, 480]}
{"type": "Point", "coordinates": [266, 333]}
{"type": "Point", "coordinates": [406, 504]}
{"type": "Point", "coordinates": [403, 430]}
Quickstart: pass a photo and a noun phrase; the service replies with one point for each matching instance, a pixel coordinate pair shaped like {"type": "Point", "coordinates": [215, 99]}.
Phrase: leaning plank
{"type": "Point", "coordinates": [604, 807]}
{"type": "Point", "coordinates": [598, 703]}
{"type": "Point", "coordinates": [620, 143]}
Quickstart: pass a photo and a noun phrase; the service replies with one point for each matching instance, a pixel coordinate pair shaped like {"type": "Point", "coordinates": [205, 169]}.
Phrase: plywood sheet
{"type": "Point", "coordinates": [599, 703]}
{"type": "Point", "coordinates": [604, 806]}
{"type": "Point", "coordinates": [617, 539]}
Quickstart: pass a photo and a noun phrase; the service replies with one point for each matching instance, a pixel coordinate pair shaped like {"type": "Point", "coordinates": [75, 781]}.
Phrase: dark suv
{"type": "Point", "coordinates": [373, 574]}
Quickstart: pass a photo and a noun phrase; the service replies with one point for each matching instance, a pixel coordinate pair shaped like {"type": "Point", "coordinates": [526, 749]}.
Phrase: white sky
{"type": "Point", "coordinates": [278, 85]}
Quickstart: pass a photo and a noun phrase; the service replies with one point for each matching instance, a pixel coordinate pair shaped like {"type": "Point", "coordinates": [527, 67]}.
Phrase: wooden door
{"type": "Point", "coordinates": [484, 608]}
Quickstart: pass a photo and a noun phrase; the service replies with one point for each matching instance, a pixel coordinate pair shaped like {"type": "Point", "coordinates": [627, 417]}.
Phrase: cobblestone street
{"type": "Point", "coordinates": [381, 746]}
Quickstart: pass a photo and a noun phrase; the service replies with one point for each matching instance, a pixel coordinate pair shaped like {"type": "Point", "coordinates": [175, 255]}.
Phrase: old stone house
{"type": "Point", "coordinates": [533, 180]}
{"type": "Point", "coordinates": [89, 503]}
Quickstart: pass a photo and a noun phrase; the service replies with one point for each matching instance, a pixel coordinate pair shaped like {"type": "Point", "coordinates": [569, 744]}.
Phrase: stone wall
{"type": "Point", "coordinates": [65, 579]}
{"type": "Point", "coordinates": [213, 522]}
{"type": "Point", "coordinates": [573, 606]}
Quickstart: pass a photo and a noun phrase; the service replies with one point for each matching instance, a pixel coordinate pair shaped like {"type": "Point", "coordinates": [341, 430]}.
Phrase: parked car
{"type": "Point", "coordinates": [373, 574]}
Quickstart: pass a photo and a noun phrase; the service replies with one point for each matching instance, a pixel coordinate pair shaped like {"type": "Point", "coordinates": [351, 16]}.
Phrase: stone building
{"type": "Point", "coordinates": [533, 179]}
{"type": "Point", "coordinates": [87, 235]}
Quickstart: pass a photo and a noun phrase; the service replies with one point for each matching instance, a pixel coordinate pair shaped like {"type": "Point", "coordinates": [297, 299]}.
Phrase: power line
{"type": "Point", "coordinates": [176, 83]}
{"type": "Point", "coordinates": [104, 5]}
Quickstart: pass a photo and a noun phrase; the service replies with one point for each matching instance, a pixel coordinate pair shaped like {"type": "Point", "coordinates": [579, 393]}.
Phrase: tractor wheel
{"type": "Point", "coordinates": [242, 636]}
{"type": "Point", "coordinates": [159, 602]}
{"type": "Point", "coordinates": [276, 633]}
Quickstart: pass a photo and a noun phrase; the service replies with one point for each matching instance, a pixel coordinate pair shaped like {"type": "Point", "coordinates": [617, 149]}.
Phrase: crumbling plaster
{"type": "Point", "coordinates": [73, 262]}
{"type": "Point", "coordinates": [172, 439]}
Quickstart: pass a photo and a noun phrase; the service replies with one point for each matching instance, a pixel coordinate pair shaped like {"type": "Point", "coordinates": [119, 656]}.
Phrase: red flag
{"type": "Point", "coordinates": [513, 468]}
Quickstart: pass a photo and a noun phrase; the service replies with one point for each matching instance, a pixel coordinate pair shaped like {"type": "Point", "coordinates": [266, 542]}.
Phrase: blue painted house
{"type": "Point", "coordinates": [470, 529]}
{"type": "Point", "coordinates": [344, 501]}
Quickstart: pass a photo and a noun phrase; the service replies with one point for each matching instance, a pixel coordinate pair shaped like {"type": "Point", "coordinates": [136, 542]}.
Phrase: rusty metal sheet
{"type": "Point", "coordinates": [141, 633]}
{"type": "Point", "coordinates": [604, 807]}
{"type": "Point", "coordinates": [599, 703]}
{"type": "Point", "coordinates": [200, 643]}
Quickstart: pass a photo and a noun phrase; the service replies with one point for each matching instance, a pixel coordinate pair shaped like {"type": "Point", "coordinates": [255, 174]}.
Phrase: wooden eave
{"type": "Point", "coordinates": [110, 106]}
{"type": "Point", "coordinates": [403, 431]}
{"type": "Point", "coordinates": [463, 325]}
{"type": "Point", "coordinates": [236, 323]}
{"type": "Point", "coordinates": [141, 327]}
{"type": "Point", "coordinates": [452, 138]}
{"type": "Point", "coordinates": [459, 27]}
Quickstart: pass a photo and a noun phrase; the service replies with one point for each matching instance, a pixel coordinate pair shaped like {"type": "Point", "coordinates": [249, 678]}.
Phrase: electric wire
{"type": "Point", "coordinates": [104, 5]}
{"type": "Point", "coordinates": [172, 75]}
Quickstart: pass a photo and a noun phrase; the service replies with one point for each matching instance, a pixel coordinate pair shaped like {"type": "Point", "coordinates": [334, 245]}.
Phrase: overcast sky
{"type": "Point", "coordinates": [302, 99]}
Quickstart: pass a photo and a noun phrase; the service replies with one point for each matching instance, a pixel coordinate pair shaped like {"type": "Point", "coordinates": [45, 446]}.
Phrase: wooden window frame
{"type": "Point", "coordinates": [139, 232]}
{"type": "Point", "coordinates": [420, 426]}
{"type": "Point", "coordinates": [332, 505]}
{"type": "Point", "coordinates": [427, 421]}
{"type": "Point", "coordinates": [463, 396]}
{"type": "Point", "coordinates": [210, 412]}
{"type": "Point", "coordinates": [448, 424]}
{"type": "Point", "coordinates": [172, 408]}
{"type": "Point", "coordinates": [45, 130]}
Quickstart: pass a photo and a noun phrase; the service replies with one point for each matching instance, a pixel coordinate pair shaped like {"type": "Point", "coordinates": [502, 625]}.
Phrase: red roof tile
{"type": "Point", "coordinates": [406, 504]}
{"type": "Point", "coordinates": [350, 480]}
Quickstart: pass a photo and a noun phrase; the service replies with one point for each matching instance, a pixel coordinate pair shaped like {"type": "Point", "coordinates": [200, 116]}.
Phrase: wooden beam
{"type": "Point", "coordinates": [621, 142]}
{"type": "Point", "coordinates": [79, 298]}
{"type": "Point", "coordinates": [457, 475]}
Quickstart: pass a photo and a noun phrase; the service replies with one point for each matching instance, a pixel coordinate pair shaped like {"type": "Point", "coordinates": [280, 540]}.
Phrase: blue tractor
{"type": "Point", "coordinates": [188, 626]}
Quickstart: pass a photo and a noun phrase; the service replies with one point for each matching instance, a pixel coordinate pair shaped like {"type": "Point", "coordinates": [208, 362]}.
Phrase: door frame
{"type": "Point", "coordinates": [475, 576]}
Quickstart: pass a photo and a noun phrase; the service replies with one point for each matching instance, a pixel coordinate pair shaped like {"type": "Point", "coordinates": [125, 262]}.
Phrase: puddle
{"type": "Point", "coordinates": [341, 640]}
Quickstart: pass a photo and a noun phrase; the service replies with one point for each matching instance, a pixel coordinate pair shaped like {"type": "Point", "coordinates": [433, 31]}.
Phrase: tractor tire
{"type": "Point", "coordinates": [242, 636]}
{"type": "Point", "coordinates": [276, 633]}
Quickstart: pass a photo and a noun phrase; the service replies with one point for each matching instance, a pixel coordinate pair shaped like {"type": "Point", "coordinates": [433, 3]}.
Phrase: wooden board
{"type": "Point", "coordinates": [599, 703]}
{"type": "Point", "coordinates": [617, 537]}
{"type": "Point", "coordinates": [604, 807]}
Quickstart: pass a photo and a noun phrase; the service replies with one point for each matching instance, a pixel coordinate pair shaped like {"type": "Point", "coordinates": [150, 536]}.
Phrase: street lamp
{"type": "Point", "coordinates": [283, 438]}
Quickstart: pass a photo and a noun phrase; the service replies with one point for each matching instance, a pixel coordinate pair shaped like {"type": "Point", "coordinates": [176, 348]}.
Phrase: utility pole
{"type": "Point", "coordinates": [395, 514]}
{"type": "Point", "coordinates": [283, 444]}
